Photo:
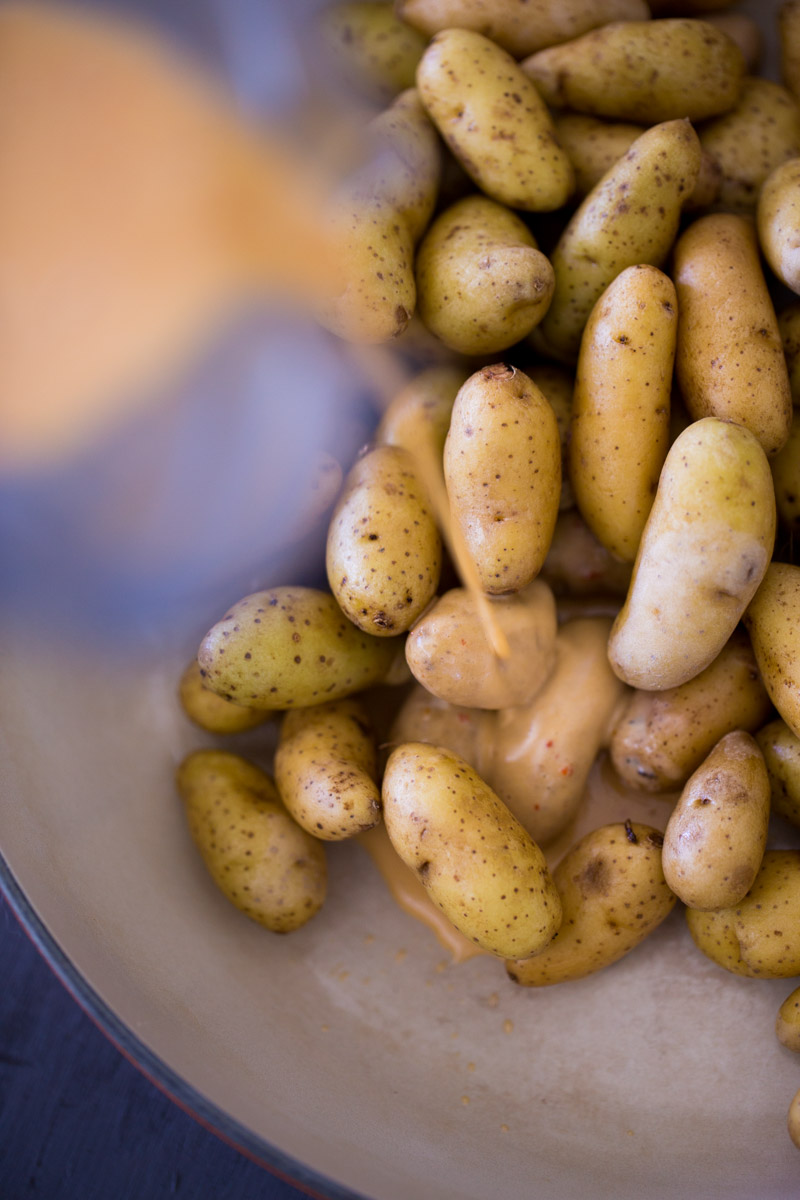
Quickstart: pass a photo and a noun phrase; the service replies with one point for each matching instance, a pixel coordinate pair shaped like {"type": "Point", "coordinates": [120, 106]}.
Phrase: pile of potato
{"type": "Point", "coordinates": [602, 435]}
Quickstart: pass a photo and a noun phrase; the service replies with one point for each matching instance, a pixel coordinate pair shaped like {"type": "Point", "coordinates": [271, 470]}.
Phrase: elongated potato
{"type": "Point", "coordinates": [741, 29]}
{"type": "Point", "coordinates": [449, 653]}
{"type": "Point", "coordinates": [715, 838]}
{"type": "Point", "coordinates": [212, 712]}
{"type": "Point", "coordinates": [614, 228]}
{"type": "Point", "coordinates": [372, 49]}
{"type": "Point", "coordinates": [577, 565]}
{"type": "Point", "coordinates": [760, 936]}
{"type": "Point", "coordinates": [620, 414]}
{"type": "Point", "coordinates": [502, 465]}
{"type": "Point", "coordinates": [787, 1023]}
{"type": "Point", "coordinates": [704, 551]}
{"type": "Point", "coordinates": [421, 410]}
{"type": "Point", "coordinates": [729, 360]}
{"type": "Point", "coordinates": [786, 475]}
{"type": "Point", "coordinates": [406, 160]}
{"type": "Point", "coordinates": [781, 750]}
{"type": "Point", "coordinates": [265, 864]}
{"type": "Point", "coordinates": [557, 386]}
{"type": "Point", "coordinates": [326, 769]}
{"type": "Point", "coordinates": [468, 732]}
{"type": "Point", "coordinates": [290, 648]}
{"type": "Point", "coordinates": [482, 282]}
{"type": "Point", "coordinates": [778, 214]}
{"type": "Point", "coordinates": [613, 894]}
{"type": "Point", "coordinates": [773, 622]}
{"type": "Point", "coordinates": [494, 120]}
{"type": "Point", "coordinates": [789, 31]}
{"type": "Point", "coordinates": [384, 552]}
{"type": "Point", "coordinates": [476, 861]}
{"type": "Point", "coordinates": [662, 737]}
{"type": "Point", "coordinates": [619, 71]}
{"type": "Point", "coordinates": [789, 326]}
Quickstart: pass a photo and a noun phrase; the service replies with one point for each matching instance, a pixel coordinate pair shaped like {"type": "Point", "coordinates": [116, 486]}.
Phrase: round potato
{"type": "Point", "coordinates": [577, 565]}
{"type": "Point", "coordinates": [773, 622]}
{"type": "Point", "coordinates": [781, 750]}
{"type": "Point", "coordinates": [474, 858]}
{"type": "Point", "coordinates": [371, 48]}
{"type": "Point", "coordinates": [265, 864]}
{"type": "Point", "coordinates": [787, 1024]}
{"type": "Point", "coordinates": [715, 838]}
{"type": "Point", "coordinates": [212, 712]}
{"type": "Point", "coordinates": [420, 412]}
{"type": "Point", "coordinates": [778, 214]}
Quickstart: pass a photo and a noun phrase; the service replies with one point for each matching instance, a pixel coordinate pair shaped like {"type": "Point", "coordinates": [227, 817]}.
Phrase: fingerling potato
{"type": "Point", "coordinates": [781, 750]}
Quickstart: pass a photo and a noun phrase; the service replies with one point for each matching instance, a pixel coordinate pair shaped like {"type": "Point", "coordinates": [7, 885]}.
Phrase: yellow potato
{"type": "Point", "coordinates": [647, 71]}
{"type": "Point", "coordinates": [212, 712]}
{"type": "Point", "coordinates": [614, 228]}
{"type": "Point", "coordinates": [502, 464]}
{"type": "Point", "coordinates": [421, 410]}
{"type": "Point", "coordinates": [773, 622]}
{"type": "Point", "coordinates": [786, 476]}
{"type": "Point", "coordinates": [518, 27]}
{"type": "Point", "coordinates": [613, 895]}
{"type": "Point", "coordinates": [405, 163]}
{"type": "Point", "coordinates": [778, 215]}
{"type": "Point", "coordinates": [449, 653]}
{"type": "Point", "coordinates": [577, 565]}
{"type": "Point", "coordinates": [789, 31]}
{"type": "Point", "coordinates": [781, 750]}
{"type": "Point", "coordinates": [557, 386]}
{"type": "Point", "coordinates": [662, 737]}
{"type": "Point", "coordinates": [793, 1119]}
{"type": "Point", "coordinates": [716, 835]}
{"type": "Point", "coordinates": [478, 864]}
{"type": "Point", "coordinates": [482, 283]}
{"type": "Point", "coordinates": [494, 121]}
{"type": "Point", "coordinates": [372, 49]}
{"type": "Point", "coordinates": [468, 732]}
{"type": "Point", "coordinates": [290, 647]}
{"type": "Point", "coordinates": [789, 326]}
{"type": "Point", "coordinates": [704, 551]}
{"type": "Point", "coordinates": [729, 360]}
{"type": "Point", "coordinates": [384, 552]}
{"type": "Point", "coordinates": [326, 770]}
{"type": "Point", "coordinates": [741, 29]}
{"type": "Point", "coordinates": [760, 936]}
{"type": "Point", "coordinates": [787, 1024]}
{"type": "Point", "coordinates": [620, 416]}
{"type": "Point", "coordinates": [265, 864]}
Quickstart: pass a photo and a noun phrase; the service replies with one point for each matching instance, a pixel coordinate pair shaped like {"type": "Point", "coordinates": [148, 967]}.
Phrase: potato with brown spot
{"type": "Point", "coordinates": [715, 838]}
{"type": "Point", "coordinates": [577, 565]}
{"type": "Point", "coordinates": [482, 282]}
{"type": "Point", "coordinates": [371, 48]}
{"type": "Point", "coordinates": [212, 712]}
{"type": "Point", "coordinates": [326, 770]}
{"type": "Point", "coordinates": [384, 553]}
{"type": "Point", "coordinates": [786, 477]}
{"type": "Point", "coordinates": [789, 326]}
{"type": "Point", "coordinates": [773, 622]}
{"type": "Point", "coordinates": [789, 33]}
{"type": "Point", "coordinates": [613, 895]}
{"type": "Point", "coordinates": [420, 412]}
{"type": "Point", "coordinates": [495, 122]}
{"type": "Point", "coordinates": [290, 647]}
{"type": "Point", "coordinates": [502, 466]}
{"type": "Point", "coordinates": [557, 386]}
{"type": "Point", "coordinates": [781, 750]}
{"type": "Point", "coordinates": [662, 737]}
{"type": "Point", "coordinates": [787, 1024]}
{"type": "Point", "coordinates": [760, 936]}
{"type": "Point", "coordinates": [265, 864]}
{"type": "Point", "coordinates": [477, 863]}
{"type": "Point", "coordinates": [741, 29]}
{"type": "Point", "coordinates": [778, 215]}
{"type": "Point", "coordinates": [647, 71]}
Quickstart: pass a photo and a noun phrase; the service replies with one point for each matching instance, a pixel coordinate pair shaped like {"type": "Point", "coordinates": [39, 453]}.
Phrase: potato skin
{"type": "Point", "coordinates": [290, 648]}
{"type": "Point", "coordinates": [617, 71]}
{"type": "Point", "coordinates": [781, 750]}
{"type": "Point", "coordinates": [577, 565]}
{"type": "Point", "coordinates": [474, 858]}
{"type": "Point", "coordinates": [662, 737]}
{"type": "Point", "coordinates": [557, 386]}
{"type": "Point", "coordinates": [212, 712]}
{"type": "Point", "coordinates": [729, 360]}
{"type": "Point", "coordinates": [787, 1023]}
{"type": "Point", "coordinates": [620, 415]}
{"type": "Point", "coordinates": [786, 477]}
{"type": "Point", "coordinates": [773, 622]}
{"type": "Point", "coordinates": [613, 894]}
{"type": "Point", "coordinates": [716, 835]}
{"type": "Point", "coordinates": [384, 553]}
{"type": "Point", "coordinates": [482, 282]}
{"type": "Point", "coordinates": [448, 652]}
{"type": "Point", "coordinates": [789, 33]}
{"type": "Point", "coordinates": [504, 435]}
{"type": "Point", "coordinates": [495, 122]}
{"type": "Point", "coordinates": [704, 551]}
{"type": "Point", "coordinates": [778, 214]}
{"type": "Point", "coordinates": [421, 410]}
{"type": "Point", "coordinates": [760, 936]}
{"type": "Point", "coordinates": [372, 48]}
{"type": "Point", "coordinates": [326, 768]}
{"type": "Point", "coordinates": [789, 326]}
{"type": "Point", "coordinates": [265, 864]}
{"type": "Point", "coordinates": [467, 732]}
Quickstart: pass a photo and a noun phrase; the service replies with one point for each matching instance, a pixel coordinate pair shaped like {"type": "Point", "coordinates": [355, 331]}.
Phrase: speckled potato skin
{"type": "Point", "coordinates": [618, 71]}
{"type": "Point", "coordinates": [371, 47]}
{"type": "Point", "coordinates": [662, 737]}
{"type": "Point", "coordinates": [781, 750]}
{"type": "Point", "coordinates": [778, 215]}
{"type": "Point", "coordinates": [325, 770]}
{"type": "Point", "coordinates": [543, 752]}
{"type": "Point", "coordinates": [557, 386]}
{"type": "Point", "coordinates": [212, 712]}
{"type": "Point", "coordinates": [704, 551]}
{"type": "Point", "coordinates": [482, 282]}
{"type": "Point", "coordinates": [502, 467]}
{"type": "Point", "coordinates": [420, 412]}
{"type": "Point", "coordinates": [717, 833]}
{"type": "Point", "coordinates": [384, 553]}
{"type": "Point", "coordinates": [761, 131]}
{"type": "Point", "coordinates": [494, 121]}
{"type": "Point", "coordinates": [742, 29]}
{"type": "Point", "coordinates": [631, 217]}
{"type": "Point", "coordinates": [265, 864]}
{"type": "Point", "coordinates": [519, 26]}
{"type": "Point", "coordinates": [786, 477]}
{"type": "Point", "coordinates": [760, 936]}
{"type": "Point", "coordinates": [448, 651]}
{"type": "Point", "coordinates": [406, 160]}
{"type": "Point", "coordinates": [789, 326]}
{"type": "Point", "coordinates": [613, 894]}
{"type": "Point", "coordinates": [619, 434]}
{"type": "Point", "coordinates": [577, 565]}
{"type": "Point", "coordinates": [789, 33]}
{"type": "Point", "coordinates": [729, 361]}
{"type": "Point", "coordinates": [478, 864]}
{"type": "Point", "coordinates": [290, 647]}
{"type": "Point", "coordinates": [467, 732]}
{"type": "Point", "coordinates": [787, 1023]}
{"type": "Point", "coordinates": [773, 622]}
